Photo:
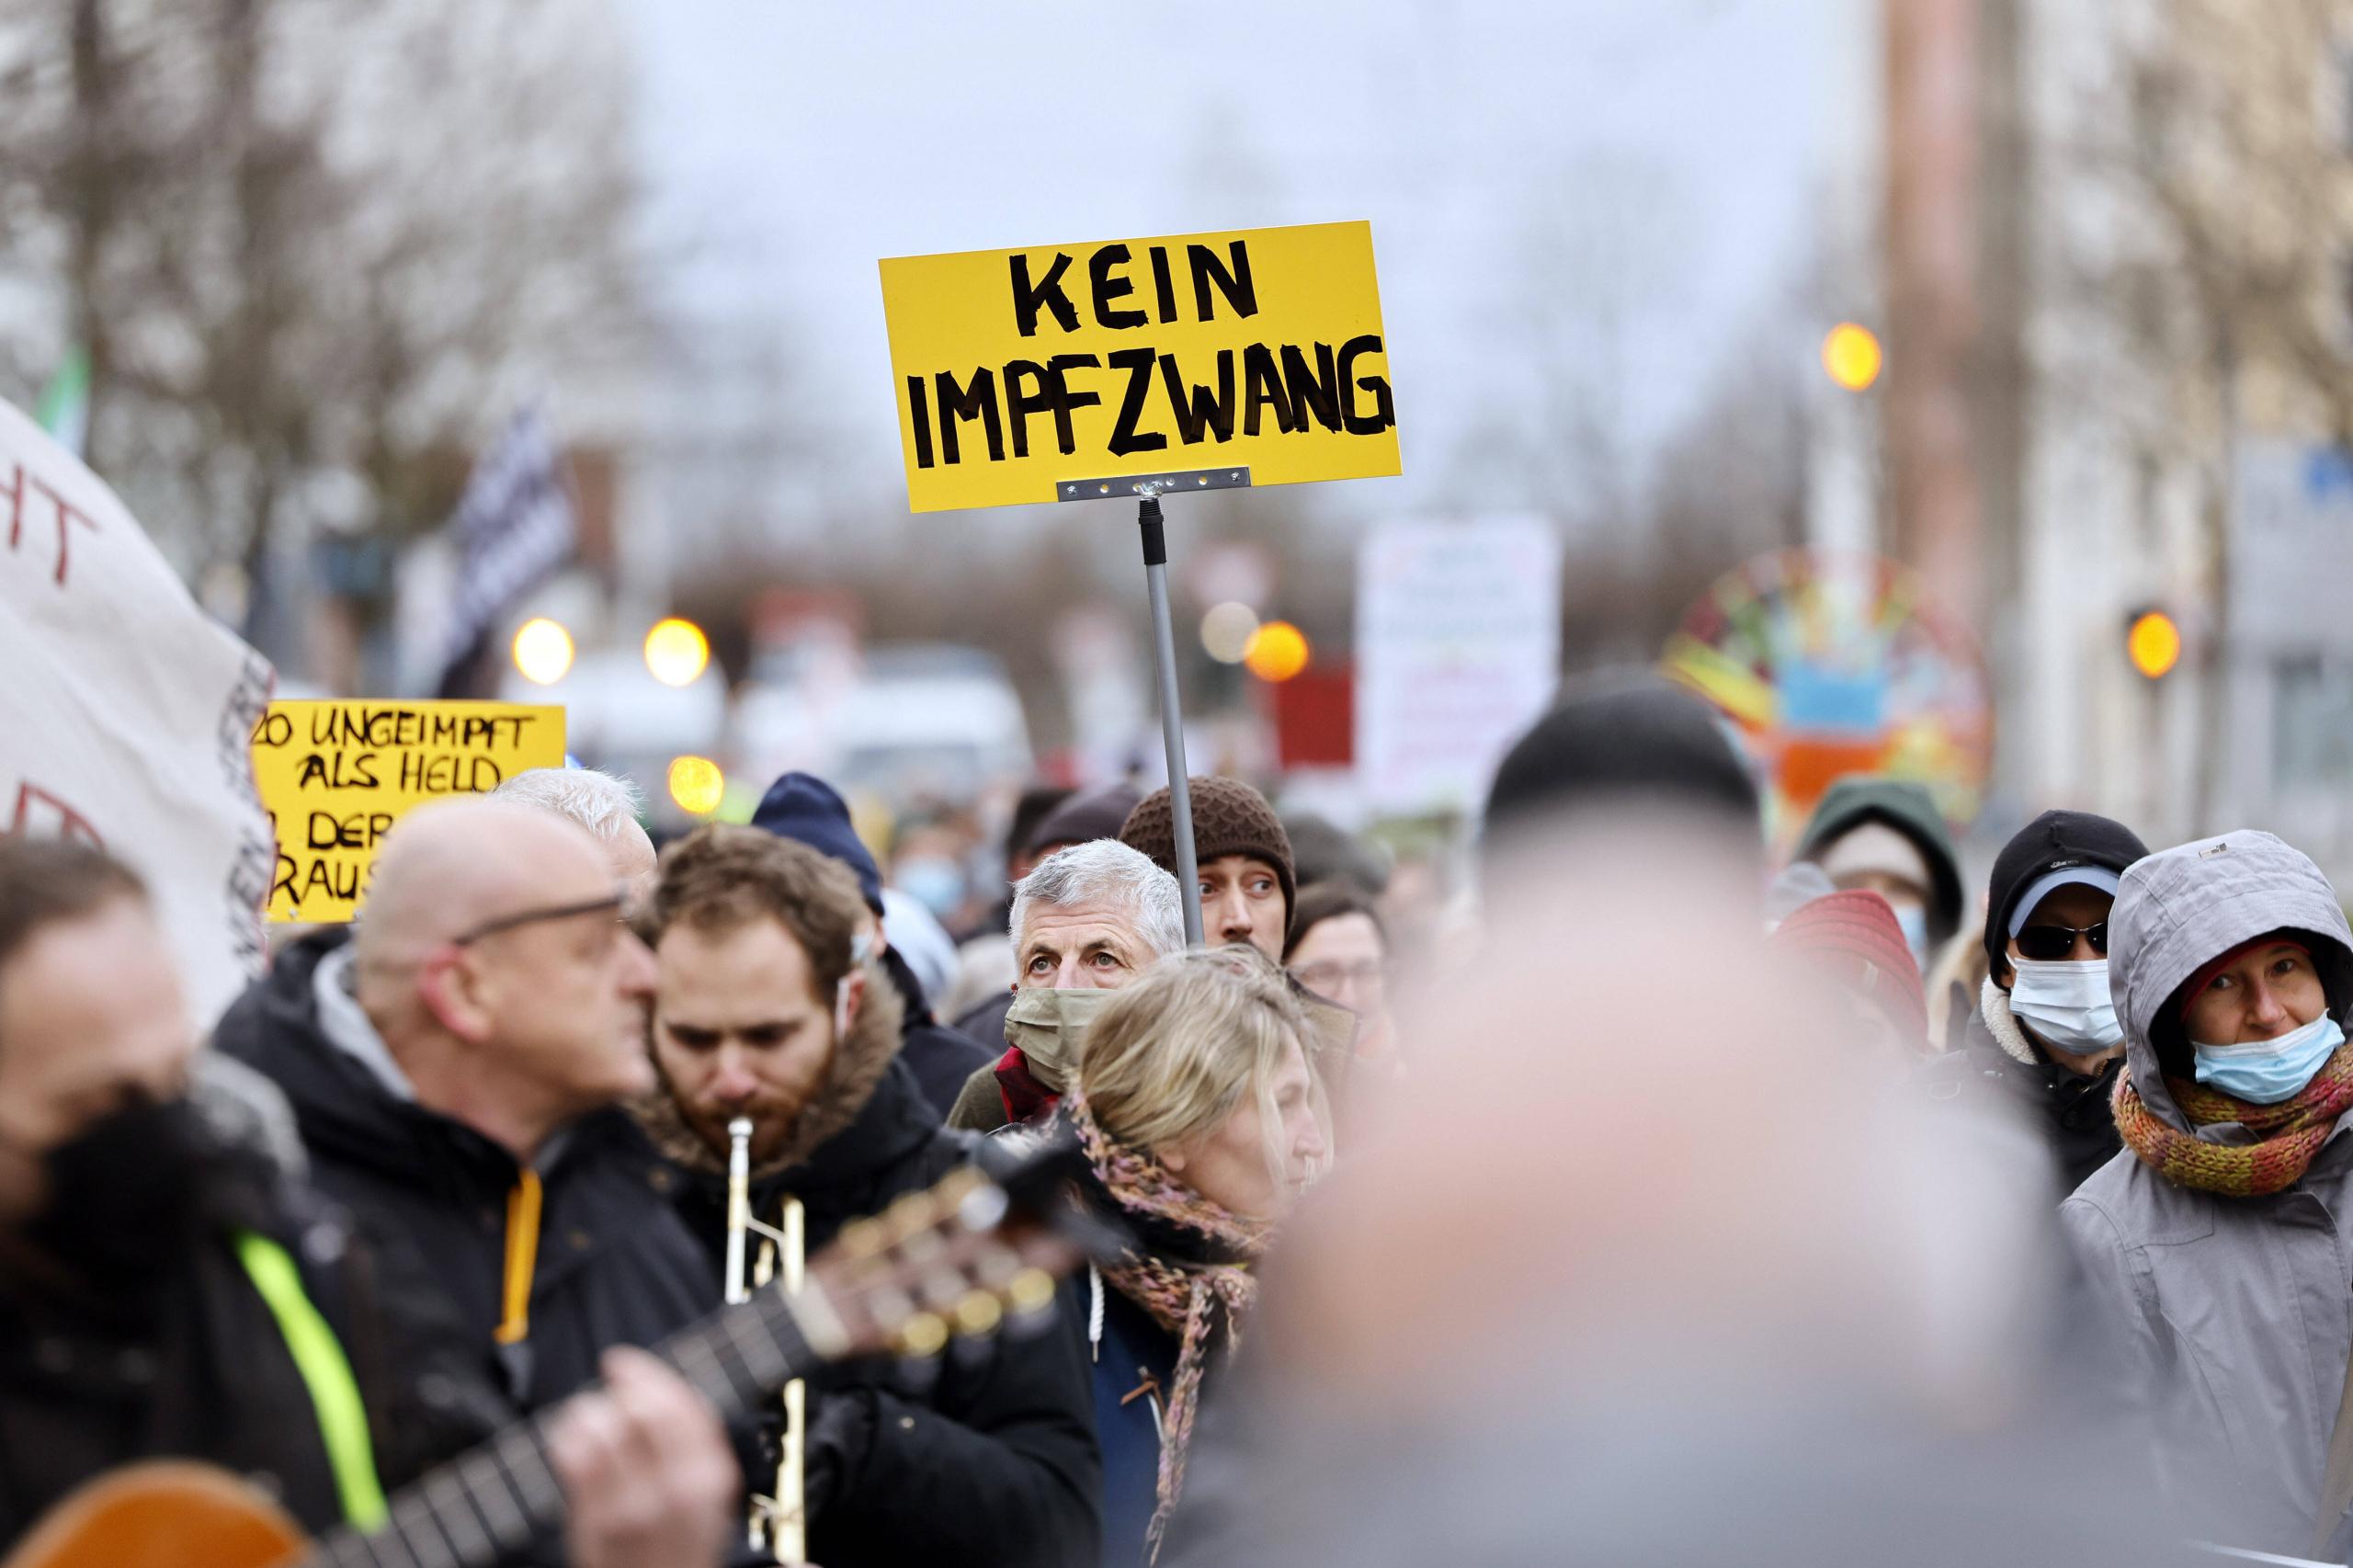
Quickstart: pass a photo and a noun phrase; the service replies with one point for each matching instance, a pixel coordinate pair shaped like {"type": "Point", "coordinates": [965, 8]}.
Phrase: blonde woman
{"type": "Point", "coordinates": [1201, 1123]}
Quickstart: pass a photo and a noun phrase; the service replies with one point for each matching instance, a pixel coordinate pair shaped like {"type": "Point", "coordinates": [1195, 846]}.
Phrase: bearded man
{"type": "Point", "coordinates": [770, 1008]}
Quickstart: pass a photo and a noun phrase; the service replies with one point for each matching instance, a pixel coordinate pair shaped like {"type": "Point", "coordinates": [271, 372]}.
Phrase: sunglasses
{"type": "Point", "coordinates": [2046, 944]}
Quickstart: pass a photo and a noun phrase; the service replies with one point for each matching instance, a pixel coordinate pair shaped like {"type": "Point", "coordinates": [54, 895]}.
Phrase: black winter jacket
{"type": "Point", "coordinates": [614, 1266]}
{"type": "Point", "coordinates": [2070, 1112]}
{"type": "Point", "coordinates": [198, 1368]}
{"type": "Point", "coordinates": [987, 1456]}
{"type": "Point", "coordinates": [940, 1058]}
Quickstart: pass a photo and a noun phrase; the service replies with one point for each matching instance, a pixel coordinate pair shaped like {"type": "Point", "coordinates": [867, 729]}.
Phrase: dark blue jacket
{"type": "Point", "coordinates": [1133, 1362]}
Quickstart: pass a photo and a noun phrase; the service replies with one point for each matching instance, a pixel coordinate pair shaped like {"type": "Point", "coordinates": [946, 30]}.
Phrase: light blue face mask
{"type": "Point", "coordinates": [2266, 1072]}
{"type": "Point", "coordinates": [1915, 921]}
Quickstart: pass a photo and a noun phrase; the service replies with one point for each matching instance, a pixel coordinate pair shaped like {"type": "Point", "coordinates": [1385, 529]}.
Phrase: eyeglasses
{"type": "Point", "coordinates": [2047, 943]}
{"type": "Point", "coordinates": [611, 903]}
{"type": "Point", "coordinates": [1323, 978]}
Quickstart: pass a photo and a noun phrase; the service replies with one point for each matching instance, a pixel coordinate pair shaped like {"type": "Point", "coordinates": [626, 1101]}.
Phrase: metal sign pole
{"type": "Point", "coordinates": [1172, 715]}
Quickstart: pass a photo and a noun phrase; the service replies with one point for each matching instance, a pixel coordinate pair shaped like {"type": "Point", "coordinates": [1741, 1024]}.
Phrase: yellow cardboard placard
{"type": "Point", "coordinates": [1019, 371]}
{"type": "Point", "coordinates": [336, 776]}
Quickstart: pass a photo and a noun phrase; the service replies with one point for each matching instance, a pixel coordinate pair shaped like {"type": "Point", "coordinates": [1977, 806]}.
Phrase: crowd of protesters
{"type": "Point", "coordinates": [1689, 1208]}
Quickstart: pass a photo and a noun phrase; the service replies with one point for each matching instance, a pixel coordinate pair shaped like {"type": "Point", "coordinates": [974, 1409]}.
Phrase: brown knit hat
{"type": "Point", "coordinates": [1229, 818]}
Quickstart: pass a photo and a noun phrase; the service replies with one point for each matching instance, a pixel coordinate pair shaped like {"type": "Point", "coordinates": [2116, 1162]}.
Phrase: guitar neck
{"type": "Point", "coordinates": [490, 1503]}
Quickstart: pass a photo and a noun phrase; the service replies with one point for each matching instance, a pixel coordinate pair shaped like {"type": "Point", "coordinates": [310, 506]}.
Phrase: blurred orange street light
{"type": "Point", "coordinates": [1277, 650]}
{"type": "Point", "coordinates": [696, 784]}
{"type": "Point", "coordinates": [542, 650]}
{"type": "Point", "coordinates": [676, 651]}
{"type": "Point", "coordinates": [2154, 643]}
{"type": "Point", "coordinates": [1851, 354]}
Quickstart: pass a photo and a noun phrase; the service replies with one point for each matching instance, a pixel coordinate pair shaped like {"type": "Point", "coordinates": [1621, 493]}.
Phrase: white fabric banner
{"type": "Point", "coordinates": [127, 713]}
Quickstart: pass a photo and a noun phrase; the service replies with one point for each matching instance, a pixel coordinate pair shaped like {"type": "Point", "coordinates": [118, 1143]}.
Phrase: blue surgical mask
{"type": "Point", "coordinates": [932, 881]}
{"type": "Point", "coordinates": [2266, 1072]}
{"type": "Point", "coordinates": [1915, 921]}
{"type": "Point", "coordinates": [2067, 1003]}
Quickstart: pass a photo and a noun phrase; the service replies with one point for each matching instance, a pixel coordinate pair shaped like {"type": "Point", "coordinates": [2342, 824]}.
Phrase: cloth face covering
{"type": "Point", "coordinates": [1048, 1028]}
{"type": "Point", "coordinates": [2068, 1004]}
{"type": "Point", "coordinates": [2266, 1072]}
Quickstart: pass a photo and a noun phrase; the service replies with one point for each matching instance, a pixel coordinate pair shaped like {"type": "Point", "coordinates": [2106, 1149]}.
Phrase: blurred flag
{"type": "Point", "coordinates": [512, 527]}
{"type": "Point", "coordinates": [64, 407]}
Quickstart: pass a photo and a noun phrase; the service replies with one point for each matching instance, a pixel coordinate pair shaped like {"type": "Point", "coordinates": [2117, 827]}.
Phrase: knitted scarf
{"type": "Point", "coordinates": [1190, 1298]}
{"type": "Point", "coordinates": [2288, 1134]}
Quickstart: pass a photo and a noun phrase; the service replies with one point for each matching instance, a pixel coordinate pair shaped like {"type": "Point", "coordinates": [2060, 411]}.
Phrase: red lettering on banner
{"type": "Point", "coordinates": [39, 811]}
{"type": "Point", "coordinates": [67, 514]}
{"type": "Point", "coordinates": [13, 492]}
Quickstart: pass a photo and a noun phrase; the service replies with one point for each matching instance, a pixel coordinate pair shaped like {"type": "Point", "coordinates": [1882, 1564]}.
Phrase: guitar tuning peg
{"type": "Point", "coordinates": [923, 1334]}
{"type": "Point", "coordinates": [995, 1266]}
{"type": "Point", "coordinates": [957, 1185]}
{"type": "Point", "coordinates": [978, 1313]}
{"type": "Point", "coordinates": [862, 1239]}
{"type": "Point", "coordinates": [910, 1215]}
{"type": "Point", "coordinates": [1031, 1291]}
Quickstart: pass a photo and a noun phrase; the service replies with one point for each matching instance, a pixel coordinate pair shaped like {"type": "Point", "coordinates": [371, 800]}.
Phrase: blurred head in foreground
{"type": "Point", "coordinates": [1675, 1279]}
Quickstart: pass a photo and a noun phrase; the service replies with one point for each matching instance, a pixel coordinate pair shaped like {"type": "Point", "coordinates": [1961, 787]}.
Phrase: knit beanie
{"type": "Point", "coordinates": [1083, 818]}
{"type": "Point", "coordinates": [805, 809]}
{"type": "Point", "coordinates": [1229, 818]}
{"type": "Point", "coordinates": [1604, 746]}
{"type": "Point", "coordinates": [2053, 842]}
{"type": "Point", "coordinates": [1854, 938]}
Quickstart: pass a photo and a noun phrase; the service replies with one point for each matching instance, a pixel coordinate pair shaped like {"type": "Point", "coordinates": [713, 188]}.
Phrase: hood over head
{"type": "Point", "coordinates": [2180, 908]}
{"type": "Point", "coordinates": [1910, 810]}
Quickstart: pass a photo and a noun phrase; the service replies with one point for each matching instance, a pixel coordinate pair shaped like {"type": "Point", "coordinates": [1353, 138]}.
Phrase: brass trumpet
{"type": "Point", "coordinates": [779, 1522]}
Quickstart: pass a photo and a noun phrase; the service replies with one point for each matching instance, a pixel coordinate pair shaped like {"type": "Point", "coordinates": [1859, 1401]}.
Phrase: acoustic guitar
{"type": "Point", "coordinates": [972, 1254]}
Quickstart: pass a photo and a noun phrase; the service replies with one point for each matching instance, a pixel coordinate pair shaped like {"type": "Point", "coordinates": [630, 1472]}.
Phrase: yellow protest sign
{"type": "Point", "coordinates": [336, 776]}
{"type": "Point", "coordinates": [1023, 374]}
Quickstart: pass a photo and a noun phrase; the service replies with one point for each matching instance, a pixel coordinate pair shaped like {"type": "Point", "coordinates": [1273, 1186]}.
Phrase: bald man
{"type": "Point", "coordinates": [455, 1064]}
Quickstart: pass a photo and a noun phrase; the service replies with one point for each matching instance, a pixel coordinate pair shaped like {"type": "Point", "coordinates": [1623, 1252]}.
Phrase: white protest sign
{"type": "Point", "coordinates": [127, 714]}
{"type": "Point", "coordinates": [1458, 646]}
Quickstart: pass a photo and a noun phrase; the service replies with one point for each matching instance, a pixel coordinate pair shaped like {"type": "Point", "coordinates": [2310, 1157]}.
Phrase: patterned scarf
{"type": "Point", "coordinates": [2289, 1134]}
{"type": "Point", "coordinates": [1190, 1300]}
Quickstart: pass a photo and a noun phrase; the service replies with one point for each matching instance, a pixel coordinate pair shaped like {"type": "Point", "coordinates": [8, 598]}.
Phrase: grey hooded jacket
{"type": "Point", "coordinates": [2232, 1317]}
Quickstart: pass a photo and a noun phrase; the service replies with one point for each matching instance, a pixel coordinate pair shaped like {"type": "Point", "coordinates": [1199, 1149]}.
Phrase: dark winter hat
{"type": "Point", "coordinates": [805, 809]}
{"type": "Point", "coordinates": [1326, 853]}
{"type": "Point", "coordinates": [1636, 740]}
{"type": "Point", "coordinates": [2054, 850]}
{"type": "Point", "coordinates": [1856, 939]}
{"type": "Point", "coordinates": [1229, 818]}
{"type": "Point", "coordinates": [1905, 806]}
{"type": "Point", "coordinates": [1084, 817]}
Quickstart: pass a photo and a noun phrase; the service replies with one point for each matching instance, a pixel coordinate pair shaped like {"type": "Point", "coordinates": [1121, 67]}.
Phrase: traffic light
{"type": "Point", "coordinates": [2152, 642]}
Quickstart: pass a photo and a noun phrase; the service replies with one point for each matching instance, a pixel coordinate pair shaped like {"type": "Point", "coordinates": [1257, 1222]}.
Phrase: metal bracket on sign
{"type": "Point", "coordinates": [1153, 484]}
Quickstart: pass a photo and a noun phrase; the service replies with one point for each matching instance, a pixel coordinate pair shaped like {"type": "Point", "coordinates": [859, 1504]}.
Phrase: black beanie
{"type": "Point", "coordinates": [2051, 842]}
{"type": "Point", "coordinates": [805, 809]}
{"type": "Point", "coordinates": [1641, 740]}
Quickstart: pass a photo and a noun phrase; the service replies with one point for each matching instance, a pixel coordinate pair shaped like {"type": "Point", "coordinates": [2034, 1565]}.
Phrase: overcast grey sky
{"type": "Point", "coordinates": [795, 143]}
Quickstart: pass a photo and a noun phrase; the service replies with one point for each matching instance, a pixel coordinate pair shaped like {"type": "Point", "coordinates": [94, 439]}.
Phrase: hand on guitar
{"type": "Point", "coordinates": [646, 1468]}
